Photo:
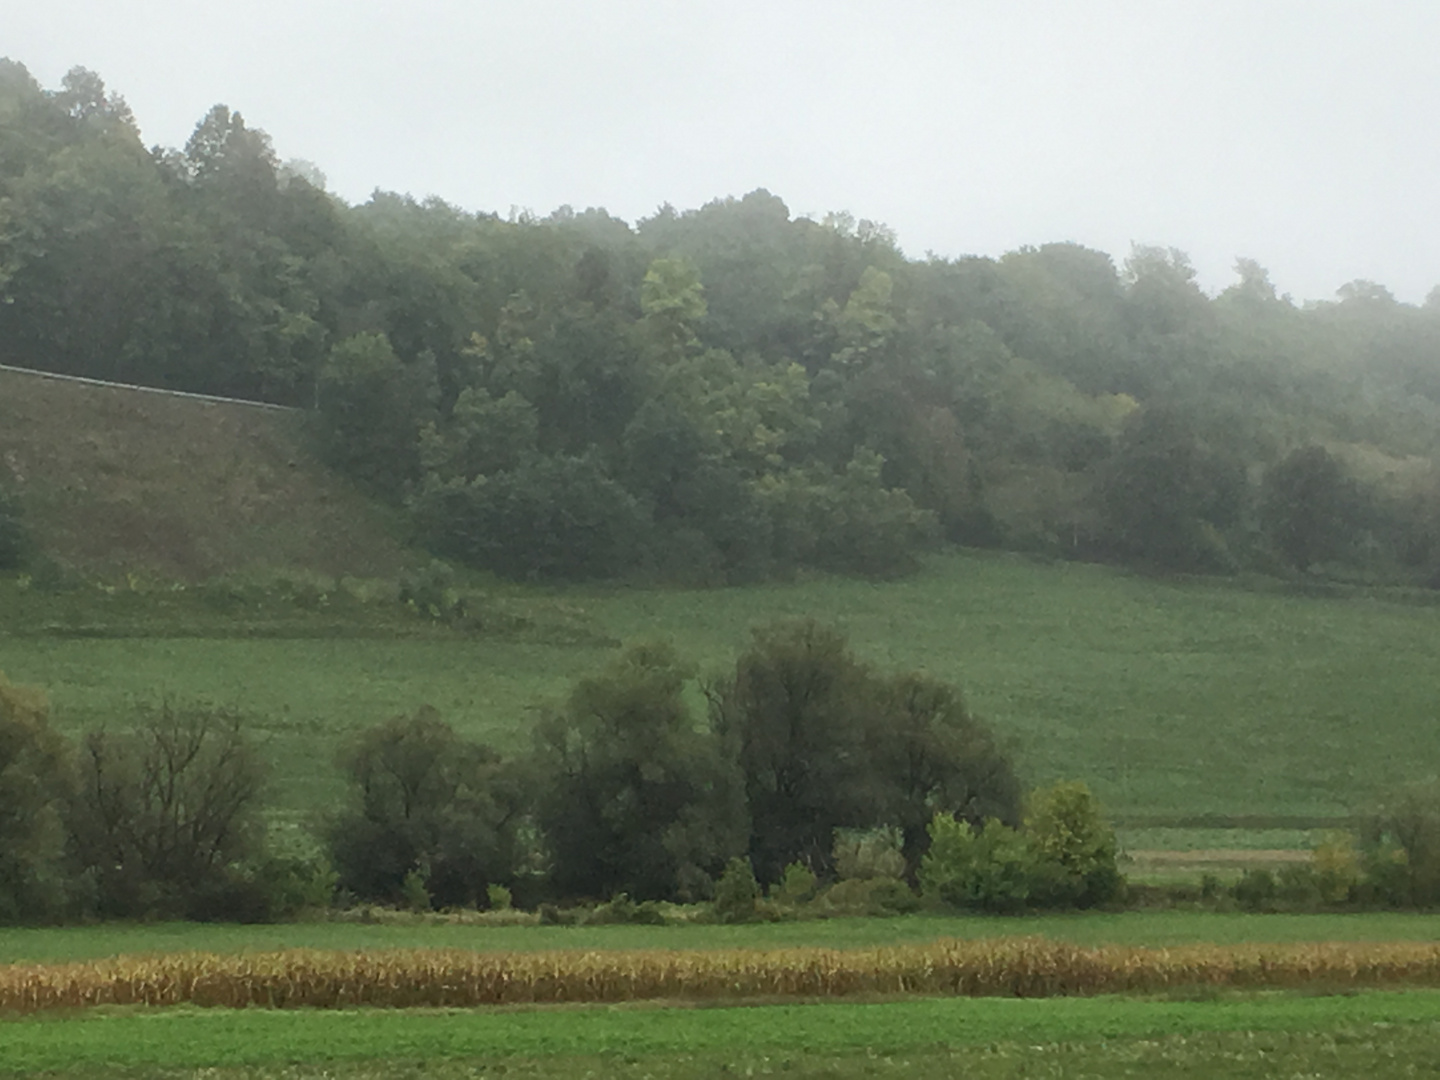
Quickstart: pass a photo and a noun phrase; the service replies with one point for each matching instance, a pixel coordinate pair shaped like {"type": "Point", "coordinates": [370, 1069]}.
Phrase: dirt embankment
{"type": "Point", "coordinates": [114, 480]}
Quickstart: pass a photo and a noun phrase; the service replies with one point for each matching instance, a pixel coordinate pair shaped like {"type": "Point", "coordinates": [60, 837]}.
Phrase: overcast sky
{"type": "Point", "coordinates": [1300, 133]}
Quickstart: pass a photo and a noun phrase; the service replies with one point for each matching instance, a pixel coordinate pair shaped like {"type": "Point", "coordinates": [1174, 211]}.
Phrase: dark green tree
{"type": "Point", "coordinates": [1062, 307]}
{"type": "Point", "coordinates": [747, 251]}
{"type": "Point", "coordinates": [426, 802]}
{"type": "Point", "coordinates": [1168, 496]}
{"type": "Point", "coordinates": [35, 782]}
{"type": "Point", "coordinates": [371, 407]}
{"type": "Point", "coordinates": [929, 755]}
{"type": "Point", "coordinates": [164, 814]}
{"type": "Point", "coordinates": [481, 436]}
{"type": "Point", "coordinates": [587, 381]}
{"type": "Point", "coordinates": [1309, 508]}
{"type": "Point", "coordinates": [845, 520]}
{"type": "Point", "coordinates": [634, 797]}
{"type": "Point", "coordinates": [551, 516]}
{"type": "Point", "coordinates": [82, 254]}
{"type": "Point", "coordinates": [272, 246]}
{"type": "Point", "coordinates": [793, 715]}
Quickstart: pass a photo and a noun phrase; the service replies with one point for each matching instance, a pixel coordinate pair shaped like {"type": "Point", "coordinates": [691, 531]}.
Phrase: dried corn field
{"type": "Point", "coordinates": [1020, 967]}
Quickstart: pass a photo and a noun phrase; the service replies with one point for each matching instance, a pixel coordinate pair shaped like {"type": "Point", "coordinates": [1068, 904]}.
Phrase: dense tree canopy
{"type": "Point", "coordinates": [633, 796]}
{"type": "Point", "coordinates": [723, 393]}
{"type": "Point", "coordinates": [425, 802]}
{"type": "Point", "coordinates": [823, 742]}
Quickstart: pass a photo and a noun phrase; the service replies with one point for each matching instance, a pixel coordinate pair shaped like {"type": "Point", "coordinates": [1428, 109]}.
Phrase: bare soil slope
{"type": "Point", "coordinates": [114, 480]}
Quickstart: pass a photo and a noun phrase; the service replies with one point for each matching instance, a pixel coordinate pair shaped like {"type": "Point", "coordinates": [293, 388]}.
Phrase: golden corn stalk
{"type": "Point", "coordinates": [1017, 967]}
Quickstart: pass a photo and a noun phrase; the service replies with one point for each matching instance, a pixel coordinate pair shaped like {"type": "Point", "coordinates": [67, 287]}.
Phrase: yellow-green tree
{"type": "Point", "coordinates": [1075, 847]}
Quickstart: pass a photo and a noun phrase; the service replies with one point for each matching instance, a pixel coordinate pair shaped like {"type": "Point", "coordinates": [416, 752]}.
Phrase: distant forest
{"type": "Point", "coordinates": [729, 393]}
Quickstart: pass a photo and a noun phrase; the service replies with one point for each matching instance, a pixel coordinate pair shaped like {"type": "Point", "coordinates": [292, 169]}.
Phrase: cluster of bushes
{"type": "Point", "coordinates": [1393, 861]}
{"type": "Point", "coordinates": [1063, 855]}
{"type": "Point", "coordinates": [627, 790]}
{"type": "Point", "coordinates": [162, 820]}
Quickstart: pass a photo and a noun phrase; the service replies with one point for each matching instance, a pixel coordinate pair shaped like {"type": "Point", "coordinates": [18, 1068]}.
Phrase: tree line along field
{"type": "Point", "coordinates": [1181, 703]}
{"type": "Point", "coordinates": [1188, 705]}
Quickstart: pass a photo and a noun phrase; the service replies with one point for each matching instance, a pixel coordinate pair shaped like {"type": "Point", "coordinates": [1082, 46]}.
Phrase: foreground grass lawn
{"type": "Point", "coordinates": [1156, 929]}
{"type": "Point", "coordinates": [1375, 1051]}
{"type": "Point", "coordinates": [675, 1042]}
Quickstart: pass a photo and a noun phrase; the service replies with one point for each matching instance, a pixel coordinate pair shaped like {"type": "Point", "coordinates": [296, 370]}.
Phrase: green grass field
{"type": "Point", "coordinates": [988, 1037]}
{"type": "Point", "coordinates": [1206, 715]}
{"type": "Point", "coordinates": [1181, 703]}
{"type": "Point", "coordinates": [1210, 716]}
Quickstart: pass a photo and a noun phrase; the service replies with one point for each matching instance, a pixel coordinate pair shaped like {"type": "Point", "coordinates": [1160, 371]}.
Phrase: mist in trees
{"type": "Point", "coordinates": [722, 394]}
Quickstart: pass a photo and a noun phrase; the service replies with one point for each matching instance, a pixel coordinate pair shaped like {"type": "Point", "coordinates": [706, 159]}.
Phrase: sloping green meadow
{"type": "Point", "coordinates": [1179, 702]}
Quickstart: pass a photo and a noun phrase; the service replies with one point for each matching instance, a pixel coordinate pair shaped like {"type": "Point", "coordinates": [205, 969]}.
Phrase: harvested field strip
{"type": "Point", "coordinates": [1017, 967]}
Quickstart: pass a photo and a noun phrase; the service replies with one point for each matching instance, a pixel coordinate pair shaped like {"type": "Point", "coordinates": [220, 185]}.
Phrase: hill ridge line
{"type": "Point", "coordinates": [147, 389]}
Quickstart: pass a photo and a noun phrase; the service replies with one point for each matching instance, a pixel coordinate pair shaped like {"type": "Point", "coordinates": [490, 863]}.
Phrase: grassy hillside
{"type": "Point", "coordinates": [1173, 700]}
{"type": "Point", "coordinates": [116, 481]}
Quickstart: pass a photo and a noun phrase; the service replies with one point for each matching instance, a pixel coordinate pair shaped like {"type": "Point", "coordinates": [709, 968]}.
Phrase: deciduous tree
{"type": "Point", "coordinates": [426, 802]}
{"type": "Point", "coordinates": [164, 814]}
{"type": "Point", "coordinates": [634, 797]}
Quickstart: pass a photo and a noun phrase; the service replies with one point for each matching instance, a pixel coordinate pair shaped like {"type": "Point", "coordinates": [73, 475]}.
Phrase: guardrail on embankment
{"type": "Point", "coordinates": [213, 398]}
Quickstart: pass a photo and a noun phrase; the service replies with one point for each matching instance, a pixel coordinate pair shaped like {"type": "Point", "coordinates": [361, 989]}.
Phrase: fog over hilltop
{"type": "Point", "coordinates": [1292, 133]}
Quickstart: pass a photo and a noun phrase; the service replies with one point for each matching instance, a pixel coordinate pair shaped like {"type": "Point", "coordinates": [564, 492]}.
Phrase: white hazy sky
{"type": "Point", "coordinates": [1300, 133]}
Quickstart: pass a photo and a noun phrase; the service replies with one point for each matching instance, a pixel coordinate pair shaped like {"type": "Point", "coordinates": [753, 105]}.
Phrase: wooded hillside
{"type": "Point", "coordinates": [725, 393]}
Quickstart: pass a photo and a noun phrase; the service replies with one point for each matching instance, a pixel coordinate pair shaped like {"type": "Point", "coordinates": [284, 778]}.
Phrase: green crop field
{"type": "Point", "coordinates": [1181, 703]}
{"type": "Point", "coordinates": [1157, 929]}
{"type": "Point", "coordinates": [1191, 707]}
{"type": "Point", "coordinates": [1241, 1035]}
